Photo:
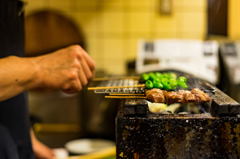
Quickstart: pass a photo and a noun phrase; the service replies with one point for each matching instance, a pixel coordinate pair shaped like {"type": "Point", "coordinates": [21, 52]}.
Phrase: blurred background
{"type": "Point", "coordinates": [112, 28]}
{"type": "Point", "coordinates": [110, 31]}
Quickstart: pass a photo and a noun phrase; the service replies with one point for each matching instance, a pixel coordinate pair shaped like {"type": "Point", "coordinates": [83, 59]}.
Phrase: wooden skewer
{"type": "Point", "coordinates": [110, 87]}
{"type": "Point", "coordinates": [142, 97]}
{"type": "Point", "coordinates": [118, 94]}
{"type": "Point", "coordinates": [115, 78]}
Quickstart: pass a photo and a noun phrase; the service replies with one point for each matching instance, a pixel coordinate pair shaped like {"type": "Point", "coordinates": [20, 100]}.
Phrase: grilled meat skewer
{"type": "Point", "coordinates": [182, 96]}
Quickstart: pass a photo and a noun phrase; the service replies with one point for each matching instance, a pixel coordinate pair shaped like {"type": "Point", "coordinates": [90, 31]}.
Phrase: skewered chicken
{"type": "Point", "coordinates": [182, 96]}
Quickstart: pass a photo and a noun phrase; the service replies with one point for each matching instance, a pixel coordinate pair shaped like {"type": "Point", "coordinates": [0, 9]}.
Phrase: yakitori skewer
{"type": "Point", "coordinates": [130, 94]}
{"type": "Point", "coordinates": [116, 78]}
{"type": "Point", "coordinates": [111, 87]}
{"type": "Point", "coordinates": [141, 97]}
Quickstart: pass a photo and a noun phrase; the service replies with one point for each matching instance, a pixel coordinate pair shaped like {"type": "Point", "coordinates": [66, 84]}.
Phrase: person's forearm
{"type": "Point", "coordinates": [17, 75]}
{"type": "Point", "coordinates": [68, 69]}
{"type": "Point", "coordinates": [40, 150]}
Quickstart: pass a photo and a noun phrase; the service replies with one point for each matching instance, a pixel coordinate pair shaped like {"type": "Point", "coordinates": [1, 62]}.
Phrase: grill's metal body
{"type": "Point", "coordinates": [177, 137]}
{"type": "Point", "coordinates": [215, 133]}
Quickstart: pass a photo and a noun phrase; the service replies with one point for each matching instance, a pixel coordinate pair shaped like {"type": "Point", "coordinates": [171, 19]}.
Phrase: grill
{"type": "Point", "coordinates": [125, 82]}
{"type": "Point", "coordinates": [192, 83]}
{"type": "Point", "coordinates": [213, 133]}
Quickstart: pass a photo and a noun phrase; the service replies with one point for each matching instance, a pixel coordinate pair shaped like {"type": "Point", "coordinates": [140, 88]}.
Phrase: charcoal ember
{"type": "Point", "coordinates": [142, 110]}
{"type": "Point", "coordinates": [129, 111]}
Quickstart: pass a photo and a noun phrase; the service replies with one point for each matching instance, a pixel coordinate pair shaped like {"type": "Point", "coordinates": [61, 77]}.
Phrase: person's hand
{"type": "Point", "coordinates": [69, 69]}
{"type": "Point", "coordinates": [40, 150]}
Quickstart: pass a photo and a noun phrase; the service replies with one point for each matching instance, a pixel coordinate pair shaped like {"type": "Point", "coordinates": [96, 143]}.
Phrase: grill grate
{"type": "Point", "coordinates": [125, 82]}
{"type": "Point", "coordinates": [192, 82]}
{"type": "Point", "coordinates": [221, 105]}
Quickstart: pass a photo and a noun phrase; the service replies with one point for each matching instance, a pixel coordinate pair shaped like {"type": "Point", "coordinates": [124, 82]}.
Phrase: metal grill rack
{"type": "Point", "coordinates": [123, 82]}
{"type": "Point", "coordinates": [192, 82]}
{"type": "Point", "coordinates": [221, 103]}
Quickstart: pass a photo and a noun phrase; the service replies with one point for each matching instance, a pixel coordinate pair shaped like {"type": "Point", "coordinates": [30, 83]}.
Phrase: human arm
{"type": "Point", "coordinates": [40, 150]}
{"type": "Point", "coordinates": [68, 69]}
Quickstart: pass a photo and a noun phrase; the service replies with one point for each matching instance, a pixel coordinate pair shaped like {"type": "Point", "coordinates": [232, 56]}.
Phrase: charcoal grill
{"type": "Point", "coordinates": [213, 133]}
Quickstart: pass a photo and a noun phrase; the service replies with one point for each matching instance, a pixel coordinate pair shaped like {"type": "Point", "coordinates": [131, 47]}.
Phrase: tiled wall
{"type": "Point", "coordinates": [234, 20]}
{"type": "Point", "coordinates": [113, 27]}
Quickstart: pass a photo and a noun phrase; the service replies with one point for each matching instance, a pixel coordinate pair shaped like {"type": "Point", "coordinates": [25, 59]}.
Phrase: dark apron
{"type": "Point", "coordinates": [15, 139]}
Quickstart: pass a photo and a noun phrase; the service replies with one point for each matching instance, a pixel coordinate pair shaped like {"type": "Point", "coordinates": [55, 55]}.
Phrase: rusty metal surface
{"type": "Point", "coordinates": [135, 107]}
{"type": "Point", "coordinates": [222, 104]}
{"type": "Point", "coordinates": [181, 116]}
{"type": "Point", "coordinates": [139, 138]}
{"type": "Point", "coordinates": [175, 136]}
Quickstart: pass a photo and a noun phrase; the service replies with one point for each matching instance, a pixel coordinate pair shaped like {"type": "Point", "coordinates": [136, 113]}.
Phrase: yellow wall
{"type": "Point", "coordinates": [234, 20]}
{"type": "Point", "coordinates": [113, 27]}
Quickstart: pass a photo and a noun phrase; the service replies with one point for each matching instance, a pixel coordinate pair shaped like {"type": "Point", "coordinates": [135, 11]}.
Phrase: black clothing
{"type": "Point", "coordinates": [14, 117]}
{"type": "Point", "coordinates": [8, 148]}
